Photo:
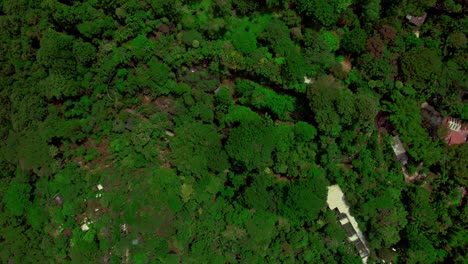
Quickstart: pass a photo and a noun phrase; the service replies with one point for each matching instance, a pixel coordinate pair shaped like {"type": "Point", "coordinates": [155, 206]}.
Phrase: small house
{"type": "Point", "coordinates": [417, 20]}
{"type": "Point", "coordinates": [58, 199]}
{"type": "Point", "coordinates": [399, 150]}
{"type": "Point", "coordinates": [67, 233]}
{"type": "Point", "coordinates": [84, 227]}
{"type": "Point", "coordinates": [457, 131]}
{"type": "Point", "coordinates": [169, 133]}
{"type": "Point", "coordinates": [308, 80]}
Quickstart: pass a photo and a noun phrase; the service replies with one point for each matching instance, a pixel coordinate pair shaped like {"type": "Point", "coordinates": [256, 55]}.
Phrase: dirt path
{"type": "Point", "coordinates": [416, 176]}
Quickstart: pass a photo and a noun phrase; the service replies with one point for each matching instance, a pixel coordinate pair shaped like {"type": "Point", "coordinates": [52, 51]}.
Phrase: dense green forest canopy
{"type": "Point", "coordinates": [207, 131]}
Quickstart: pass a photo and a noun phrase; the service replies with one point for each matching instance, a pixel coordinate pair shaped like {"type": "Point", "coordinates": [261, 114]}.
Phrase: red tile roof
{"type": "Point", "coordinates": [67, 232]}
{"type": "Point", "coordinates": [456, 137]}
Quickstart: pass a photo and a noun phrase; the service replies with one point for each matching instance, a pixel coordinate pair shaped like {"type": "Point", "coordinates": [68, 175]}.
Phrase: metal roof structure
{"type": "Point", "coordinates": [417, 20]}
{"type": "Point", "coordinates": [400, 151]}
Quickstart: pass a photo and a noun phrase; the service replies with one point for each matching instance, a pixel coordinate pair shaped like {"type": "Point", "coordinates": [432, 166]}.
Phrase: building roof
{"type": "Point", "coordinates": [336, 201]}
{"type": "Point", "coordinates": [457, 132]}
{"type": "Point", "coordinates": [400, 151]}
{"type": "Point", "coordinates": [417, 20]}
{"type": "Point", "coordinates": [67, 232]}
{"type": "Point", "coordinates": [456, 137]}
{"type": "Point", "coordinates": [84, 227]}
{"type": "Point", "coordinates": [58, 199]}
{"type": "Point", "coordinates": [344, 221]}
{"type": "Point", "coordinates": [353, 238]}
{"type": "Point", "coordinates": [454, 124]}
{"type": "Point", "coordinates": [397, 146]}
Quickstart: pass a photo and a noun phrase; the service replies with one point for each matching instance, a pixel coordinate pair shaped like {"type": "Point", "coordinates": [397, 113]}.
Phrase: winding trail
{"type": "Point", "coordinates": [416, 176]}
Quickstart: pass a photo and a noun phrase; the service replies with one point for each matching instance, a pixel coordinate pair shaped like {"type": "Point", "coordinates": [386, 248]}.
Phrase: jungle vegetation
{"type": "Point", "coordinates": [195, 117]}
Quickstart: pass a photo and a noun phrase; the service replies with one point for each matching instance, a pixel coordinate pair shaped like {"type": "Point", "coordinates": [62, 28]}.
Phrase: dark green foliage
{"type": "Point", "coordinates": [250, 146]}
{"type": "Point", "coordinates": [407, 121]}
{"type": "Point", "coordinates": [305, 132]}
{"type": "Point", "coordinates": [317, 51]}
{"type": "Point", "coordinates": [456, 163]}
{"type": "Point", "coordinates": [197, 149]}
{"type": "Point", "coordinates": [16, 198]}
{"type": "Point", "coordinates": [208, 131]}
{"type": "Point", "coordinates": [421, 67]}
{"type": "Point", "coordinates": [191, 38]}
{"type": "Point", "coordinates": [367, 107]}
{"type": "Point", "coordinates": [259, 195]}
{"type": "Point", "coordinates": [418, 7]}
{"type": "Point", "coordinates": [303, 200]}
{"type": "Point", "coordinates": [154, 78]}
{"type": "Point", "coordinates": [277, 33]}
{"type": "Point", "coordinates": [372, 10]}
{"type": "Point", "coordinates": [376, 69]}
{"type": "Point", "coordinates": [240, 114]}
{"type": "Point", "coordinates": [245, 6]}
{"type": "Point", "coordinates": [263, 98]}
{"type": "Point", "coordinates": [335, 108]}
{"type": "Point", "coordinates": [244, 41]}
{"type": "Point", "coordinates": [354, 41]}
{"type": "Point", "coordinates": [324, 11]}
{"type": "Point", "coordinates": [56, 52]}
{"type": "Point", "coordinates": [57, 86]}
{"type": "Point", "coordinates": [96, 27]}
{"type": "Point", "coordinates": [295, 152]}
{"type": "Point", "coordinates": [84, 52]}
{"type": "Point", "coordinates": [142, 48]}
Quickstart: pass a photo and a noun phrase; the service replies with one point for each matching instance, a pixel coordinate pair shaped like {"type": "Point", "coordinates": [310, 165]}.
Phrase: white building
{"type": "Point", "coordinates": [336, 201]}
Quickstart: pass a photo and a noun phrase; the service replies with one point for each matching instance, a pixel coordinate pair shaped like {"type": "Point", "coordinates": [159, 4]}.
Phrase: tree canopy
{"type": "Point", "coordinates": [208, 131]}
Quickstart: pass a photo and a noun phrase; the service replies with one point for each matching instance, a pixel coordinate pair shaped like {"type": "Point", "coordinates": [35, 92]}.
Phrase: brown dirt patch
{"type": "Point", "coordinates": [101, 160]}
{"type": "Point", "coordinates": [135, 113]}
{"type": "Point", "coordinates": [165, 104]}
{"type": "Point", "coordinates": [146, 99]}
{"type": "Point", "coordinates": [163, 156]}
{"type": "Point", "coordinates": [346, 65]}
{"type": "Point", "coordinates": [229, 83]}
